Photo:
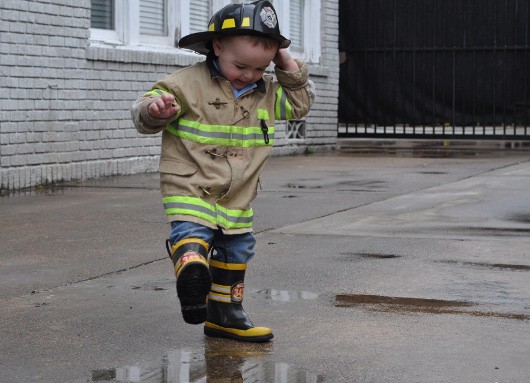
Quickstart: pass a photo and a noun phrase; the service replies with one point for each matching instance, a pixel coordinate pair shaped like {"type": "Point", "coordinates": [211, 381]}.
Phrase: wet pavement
{"type": "Point", "coordinates": [403, 264]}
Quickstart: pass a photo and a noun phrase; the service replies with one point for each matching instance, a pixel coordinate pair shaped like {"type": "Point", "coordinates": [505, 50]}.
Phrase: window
{"type": "Point", "coordinates": [132, 22]}
{"type": "Point", "coordinates": [200, 13]}
{"type": "Point", "coordinates": [300, 22]}
{"type": "Point", "coordinates": [296, 27]}
{"type": "Point", "coordinates": [153, 17]}
{"type": "Point", "coordinates": [102, 14]}
{"type": "Point", "coordinates": [162, 22]}
{"type": "Point", "coordinates": [104, 20]}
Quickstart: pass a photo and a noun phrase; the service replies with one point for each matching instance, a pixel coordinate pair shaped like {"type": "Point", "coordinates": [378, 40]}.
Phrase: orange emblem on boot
{"type": "Point", "coordinates": [189, 256]}
{"type": "Point", "coordinates": [238, 290]}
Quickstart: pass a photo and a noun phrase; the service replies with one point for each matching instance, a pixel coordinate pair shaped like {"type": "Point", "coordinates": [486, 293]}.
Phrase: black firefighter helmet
{"type": "Point", "coordinates": [257, 18]}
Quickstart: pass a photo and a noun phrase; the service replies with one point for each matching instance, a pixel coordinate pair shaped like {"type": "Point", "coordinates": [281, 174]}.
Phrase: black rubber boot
{"type": "Point", "coordinates": [193, 277]}
{"type": "Point", "coordinates": [226, 317]}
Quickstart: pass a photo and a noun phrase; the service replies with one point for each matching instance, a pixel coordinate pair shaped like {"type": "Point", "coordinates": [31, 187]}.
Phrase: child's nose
{"type": "Point", "coordinates": [247, 76]}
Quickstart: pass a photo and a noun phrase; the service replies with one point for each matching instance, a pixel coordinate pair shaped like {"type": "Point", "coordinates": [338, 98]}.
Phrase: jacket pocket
{"type": "Point", "coordinates": [177, 167]}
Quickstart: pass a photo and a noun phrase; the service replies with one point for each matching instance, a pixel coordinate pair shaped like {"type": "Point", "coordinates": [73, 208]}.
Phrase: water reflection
{"type": "Point", "coordinates": [221, 362]}
{"type": "Point", "coordinates": [283, 295]}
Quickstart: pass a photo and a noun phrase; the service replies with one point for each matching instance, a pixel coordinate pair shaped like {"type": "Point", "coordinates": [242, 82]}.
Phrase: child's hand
{"type": "Point", "coordinates": [163, 107]}
{"type": "Point", "coordinates": [284, 61]}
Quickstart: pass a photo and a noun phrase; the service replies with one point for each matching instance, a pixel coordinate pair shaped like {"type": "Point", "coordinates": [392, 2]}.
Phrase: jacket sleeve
{"type": "Point", "coordinates": [143, 122]}
{"type": "Point", "coordinates": [295, 94]}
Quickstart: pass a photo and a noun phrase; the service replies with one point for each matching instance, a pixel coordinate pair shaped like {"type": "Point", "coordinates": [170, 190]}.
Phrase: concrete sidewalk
{"type": "Point", "coordinates": [376, 268]}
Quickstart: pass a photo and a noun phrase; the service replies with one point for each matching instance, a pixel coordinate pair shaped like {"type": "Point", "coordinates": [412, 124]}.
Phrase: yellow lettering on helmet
{"type": "Point", "coordinates": [228, 23]}
{"type": "Point", "coordinates": [245, 22]}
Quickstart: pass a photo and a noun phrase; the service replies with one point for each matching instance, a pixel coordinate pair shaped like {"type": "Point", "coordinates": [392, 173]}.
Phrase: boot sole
{"type": "Point", "coordinates": [225, 334]}
{"type": "Point", "coordinates": [193, 286]}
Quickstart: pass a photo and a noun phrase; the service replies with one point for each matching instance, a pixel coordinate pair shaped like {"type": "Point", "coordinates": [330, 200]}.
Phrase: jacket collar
{"type": "Point", "coordinates": [214, 72]}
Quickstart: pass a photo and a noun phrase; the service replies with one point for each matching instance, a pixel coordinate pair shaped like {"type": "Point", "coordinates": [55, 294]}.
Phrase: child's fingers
{"type": "Point", "coordinates": [168, 99]}
{"type": "Point", "coordinates": [157, 107]}
{"type": "Point", "coordinates": [163, 107]}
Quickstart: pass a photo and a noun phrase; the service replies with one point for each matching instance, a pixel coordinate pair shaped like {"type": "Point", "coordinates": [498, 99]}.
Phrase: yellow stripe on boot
{"type": "Point", "coordinates": [225, 315]}
{"type": "Point", "coordinates": [255, 334]}
{"type": "Point", "coordinates": [193, 278]}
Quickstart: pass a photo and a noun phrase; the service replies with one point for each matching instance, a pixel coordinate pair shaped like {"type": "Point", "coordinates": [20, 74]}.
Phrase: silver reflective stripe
{"type": "Point", "coordinates": [233, 219]}
{"type": "Point", "coordinates": [283, 112]}
{"type": "Point", "coordinates": [221, 289]}
{"type": "Point", "coordinates": [220, 297]}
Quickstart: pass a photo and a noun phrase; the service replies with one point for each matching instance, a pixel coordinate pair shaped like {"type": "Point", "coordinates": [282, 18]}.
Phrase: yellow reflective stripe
{"type": "Point", "coordinates": [224, 135]}
{"type": "Point", "coordinates": [229, 23]}
{"type": "Point", "coordinates": [245, 22]}
{"type": "Point", "coordinates": [227, 266]}
{"type": "Point", "coordinates": [190, 206]}
{"type": "Point", "coordinates": [197, 258]}
{"type": "Point", "coordinates": [216, 215]}
{"type": "Point", "coordinates": [189, 240]}
{"type": "Point", "coordinates": [211, 27]}
{"type": "Point", "coordinates": [277, 105]}
{"type": "Point", "coordinates": [283, 109]}
{"type": "Point", "coordinates": [156, 92]}
{"type": "Point", "coordinates": [263, 114]}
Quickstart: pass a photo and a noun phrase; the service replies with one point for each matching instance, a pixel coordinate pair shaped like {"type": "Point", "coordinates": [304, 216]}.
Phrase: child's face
{"type": "Point", "coordinates": [242, 61]}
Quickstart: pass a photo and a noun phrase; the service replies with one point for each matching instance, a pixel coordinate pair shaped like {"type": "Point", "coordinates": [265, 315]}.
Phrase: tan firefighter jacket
{"type": "Point", "coordinates": [214, 149]}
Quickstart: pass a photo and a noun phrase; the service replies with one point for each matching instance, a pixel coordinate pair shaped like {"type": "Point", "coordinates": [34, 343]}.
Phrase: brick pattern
{"type": "Point", "coordinates": [64, 109]}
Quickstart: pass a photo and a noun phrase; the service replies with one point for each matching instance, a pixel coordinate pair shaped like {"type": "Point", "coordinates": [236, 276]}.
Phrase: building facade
{"type": "Point", "coordinates": [70, 70]}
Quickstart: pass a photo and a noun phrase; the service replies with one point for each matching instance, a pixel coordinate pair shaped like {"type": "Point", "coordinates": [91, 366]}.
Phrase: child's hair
{"type": "Point", "coordinates": [265, 42]}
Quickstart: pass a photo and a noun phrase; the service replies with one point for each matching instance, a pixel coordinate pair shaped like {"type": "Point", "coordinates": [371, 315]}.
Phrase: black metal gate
{"type": "Point", "coordinates": [435, 68]}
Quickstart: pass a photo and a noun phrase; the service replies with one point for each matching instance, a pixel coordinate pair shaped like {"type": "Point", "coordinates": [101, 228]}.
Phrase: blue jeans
{"type": "Point", "coordinates": [236, 248]}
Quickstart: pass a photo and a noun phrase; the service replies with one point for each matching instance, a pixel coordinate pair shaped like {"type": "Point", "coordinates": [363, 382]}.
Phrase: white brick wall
{"type": "Point", "coordinates": [64, 105]}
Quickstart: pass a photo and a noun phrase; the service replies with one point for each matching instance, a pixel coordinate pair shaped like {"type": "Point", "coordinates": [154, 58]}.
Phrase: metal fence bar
{"type": "Point", "coordinates": [526, 105]}
{"type": "Point", "coordinates": [441, 71]}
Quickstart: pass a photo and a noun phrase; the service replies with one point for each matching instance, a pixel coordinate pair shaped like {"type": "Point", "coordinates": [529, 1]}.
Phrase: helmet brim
{"type": "Point", "coordinates": [200, 41]}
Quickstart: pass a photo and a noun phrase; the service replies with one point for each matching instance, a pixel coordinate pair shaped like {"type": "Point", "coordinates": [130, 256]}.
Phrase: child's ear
{"type": "Point", "coordinates": [217, 47]}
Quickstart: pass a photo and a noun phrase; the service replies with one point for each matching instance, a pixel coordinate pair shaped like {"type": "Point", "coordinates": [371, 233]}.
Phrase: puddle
{"type": "Point", "coordinates": [502, 266]}
{"type": "Point", "coordinates": [433, 173]}
{"type": "Point", "coordinates": [364, 183]}
{"type": "Point", "coordinates": [441, 149]}
{"type": "Point", "coordinates": [521, 218]}
{"type": "Point", "coordinates": [368, 186]}
{"type": "Point", "coordinates": [419, 305]}
{"type": "Point", "coordinates": [412, 152]}
{"type": "Point", "coordinates": [153, 289]}
{"type": "Point", "coordinates": [300, 186]}
{"type": "Point", "coordinates": [352, 300]}
{"type": "Point", "coordinates": [49, 190]}
{"type": "Point", "coordinates": [489, 231]}
{"type": "Point", "coordinates": [283, 295]}
{"type": "Point", "coordinates": [352, 255]}
{"type": "Point", "coordinates": [220, 361]}
{"type": "Point", "coordinates": [159, 285]}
